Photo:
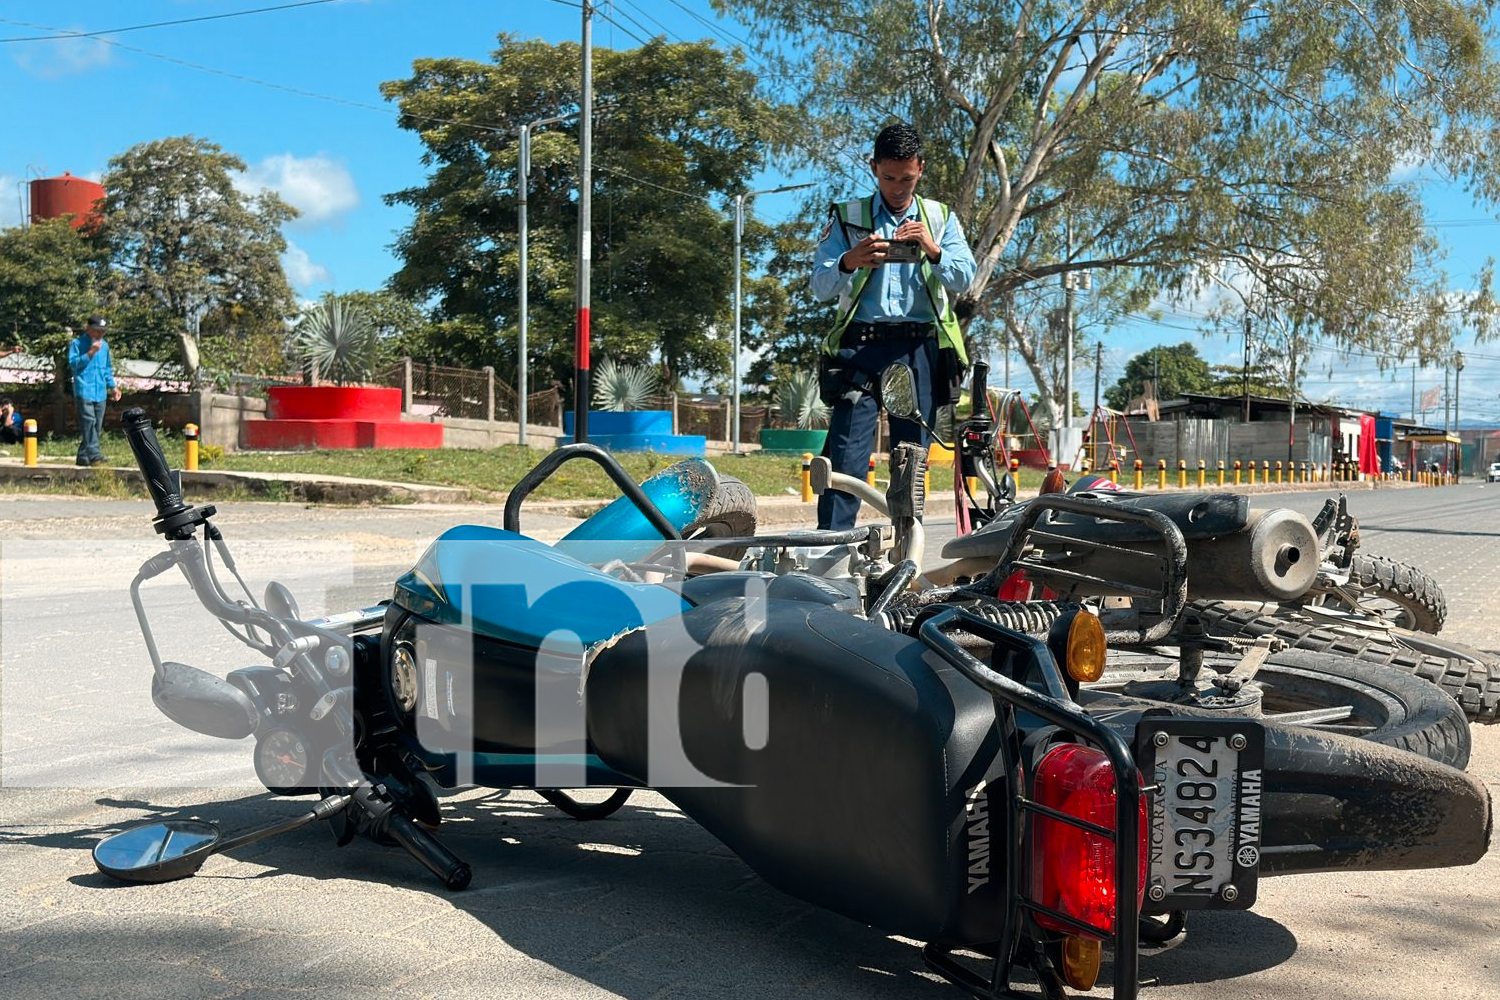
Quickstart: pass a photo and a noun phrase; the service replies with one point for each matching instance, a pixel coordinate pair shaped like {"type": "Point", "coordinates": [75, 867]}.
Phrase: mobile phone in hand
{"type": "Point", "coordinates": [903, 252]}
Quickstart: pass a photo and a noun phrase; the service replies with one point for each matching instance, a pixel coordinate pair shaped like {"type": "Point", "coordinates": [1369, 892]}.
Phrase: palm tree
{"type": "Point", "coordinates": [337, 340]}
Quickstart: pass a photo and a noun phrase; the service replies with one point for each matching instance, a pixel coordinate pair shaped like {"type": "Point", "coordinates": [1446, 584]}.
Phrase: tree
{"type": "Point", "coordinates": [1175, 370]}
{"type": "Point", "coordinates": [678, 130]}
{"type": "Point", "coordinates": [49, 279]}
{"type": "Point", "coordinates": [1188, 143]}
{"type": "Point", "coordinates": [182, 239]}
{"type": "Point", "coordinates": [781, 319]}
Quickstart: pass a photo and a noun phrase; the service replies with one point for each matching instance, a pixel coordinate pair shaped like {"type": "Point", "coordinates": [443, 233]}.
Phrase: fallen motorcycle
{"type": "Point", "coordinates": [1252, 573]}
{"type": "Point", "coordinates": [905, 757]}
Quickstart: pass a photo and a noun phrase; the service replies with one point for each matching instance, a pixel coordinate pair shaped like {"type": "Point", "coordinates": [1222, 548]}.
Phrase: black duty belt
{"type": "Point", "coordinates": [866, 333]}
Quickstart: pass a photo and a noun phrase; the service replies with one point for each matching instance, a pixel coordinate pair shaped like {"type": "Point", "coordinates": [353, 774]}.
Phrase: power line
{"type": "Point", "coordinates": [63, 33]}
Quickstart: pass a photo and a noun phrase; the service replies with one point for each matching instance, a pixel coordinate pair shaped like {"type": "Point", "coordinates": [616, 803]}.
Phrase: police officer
{"type": "Point", "coordinates": [889, 310]}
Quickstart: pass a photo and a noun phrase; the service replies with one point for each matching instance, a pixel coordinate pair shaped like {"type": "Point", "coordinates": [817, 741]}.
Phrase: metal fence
{"type": "Point", "coordinates": [468, 394]}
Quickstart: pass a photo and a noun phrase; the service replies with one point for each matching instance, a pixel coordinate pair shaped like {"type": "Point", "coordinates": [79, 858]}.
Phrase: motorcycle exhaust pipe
{"type": "Point", "coordinates": [1273, 558]}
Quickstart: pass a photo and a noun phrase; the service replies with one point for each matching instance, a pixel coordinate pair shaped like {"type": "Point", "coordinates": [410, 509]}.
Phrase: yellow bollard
{"type": "Point", "coordinates": [1306, 476]}
{"type": "Point", "coordinates": [1236, 472]}
{"type": "Point", "coordinates": [1161, 473]}
{"type": "Point", "coordinates": [1221, 472]}
{"type": "Point", "coordinates": [1114, 471]}
{"type": "Point", "coordinates": [1181, 474]}
{"type": "Point", "coordinates": [28, 432]}
{"type": "Point", "coordinates": [1252, 472]}
{"type": "Point", "coordinates": [972, 484]}
{"type": "Point", "coordinates": [1278, 472]}
{"type": "Point", "coordinates": [190, 447]}
{"type": "Point", "coordinates": [1140, 477]}
{"type": "Point", "coordinates": [807, 493]}
{"type": "Point", "coordinates": [870, 476]}
{"type": "Point", "coordinates": [1015, 466]}
{"type": "Point", "coordinates": [1201, 481]}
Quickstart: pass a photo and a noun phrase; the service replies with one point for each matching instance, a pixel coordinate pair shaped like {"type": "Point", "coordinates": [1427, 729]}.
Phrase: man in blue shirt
{"type": "Point", "coordinates": [93, 384]}
{"type": "Point", "coordinates": [895, 281]}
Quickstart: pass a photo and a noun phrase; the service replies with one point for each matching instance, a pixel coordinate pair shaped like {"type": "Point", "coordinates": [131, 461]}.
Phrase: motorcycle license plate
{"type": "Point", "coordinates": [1204, 838]}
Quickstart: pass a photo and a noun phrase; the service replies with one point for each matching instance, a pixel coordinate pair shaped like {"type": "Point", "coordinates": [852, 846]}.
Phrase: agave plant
{"type": "Point", "coordinates": [624, 387]}
{"type": "Point", "coordinates": [798, 399]}
{"type": "Point", "coordinates": [338, 340]}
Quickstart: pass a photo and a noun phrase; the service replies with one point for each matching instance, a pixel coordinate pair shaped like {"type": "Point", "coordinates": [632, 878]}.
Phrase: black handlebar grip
{"type": "Point", "coordinates": [165, 492]}
{"type": "Point", "coordinates": [979, 404]}
{"type": "Point", "coordinates": [442, 862]}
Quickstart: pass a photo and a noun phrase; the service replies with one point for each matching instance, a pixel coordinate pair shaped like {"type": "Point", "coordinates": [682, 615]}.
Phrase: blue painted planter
{"type": "Point", "coordinates": [605, 422]}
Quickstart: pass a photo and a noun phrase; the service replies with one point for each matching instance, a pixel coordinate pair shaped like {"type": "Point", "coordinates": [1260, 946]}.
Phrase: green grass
{"type": "Point", "coordinates": [488, 471]}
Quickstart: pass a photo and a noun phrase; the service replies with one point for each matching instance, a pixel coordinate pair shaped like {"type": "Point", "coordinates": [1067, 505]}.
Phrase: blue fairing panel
{"type": "Point", "coordinates": [506, 586]}
{"type": "Point", "coordinates": [621, 531]}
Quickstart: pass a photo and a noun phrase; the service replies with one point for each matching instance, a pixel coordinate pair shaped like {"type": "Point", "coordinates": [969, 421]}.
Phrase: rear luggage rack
{"type": "Point", "coordinates": [1056, 709]}
{"type": "Point", "coordinates": [1031, 533]}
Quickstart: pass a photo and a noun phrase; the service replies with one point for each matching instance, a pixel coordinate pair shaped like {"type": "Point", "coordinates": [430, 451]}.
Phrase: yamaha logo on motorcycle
{"type": "Point", "coordinates": [1027, 781]}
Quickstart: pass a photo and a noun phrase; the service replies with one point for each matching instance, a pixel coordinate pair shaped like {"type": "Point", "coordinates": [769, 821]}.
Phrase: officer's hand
{"type": "Point", "coordinates": [868, 252]}
{"type": "Point", "coordinates": [916, 229]}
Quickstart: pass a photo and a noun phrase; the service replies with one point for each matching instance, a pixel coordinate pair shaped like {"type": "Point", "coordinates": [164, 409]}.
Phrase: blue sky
{"type": "Point", "coordinates": [315, 129]}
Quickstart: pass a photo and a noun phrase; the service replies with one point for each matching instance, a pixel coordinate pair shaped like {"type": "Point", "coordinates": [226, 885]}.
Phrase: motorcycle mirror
{"type": "Point", "coordinates": [280, 602]}
{"type": "Point", "coordinates": [1008, 487]}
{"type": "Point", "coordinates": [156, 852]}
{"type": "Point", "coordinates": [898, 391]}
{"type": "Point", "coordinates": [176, 848]}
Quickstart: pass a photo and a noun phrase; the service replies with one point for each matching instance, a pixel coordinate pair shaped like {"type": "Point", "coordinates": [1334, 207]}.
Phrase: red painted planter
{"type": "Point", "coordinates": [333, 402]}
{"type": "Point", "coordinates": [337, 416]}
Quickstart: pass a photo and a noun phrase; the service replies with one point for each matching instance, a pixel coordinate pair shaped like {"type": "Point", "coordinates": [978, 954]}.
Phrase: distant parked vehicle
{"type": "Point", "coordinates": [1494, 474]}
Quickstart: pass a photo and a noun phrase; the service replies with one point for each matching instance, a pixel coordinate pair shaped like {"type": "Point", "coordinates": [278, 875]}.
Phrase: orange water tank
{"type": "Point", "coordinates": [52, 197]}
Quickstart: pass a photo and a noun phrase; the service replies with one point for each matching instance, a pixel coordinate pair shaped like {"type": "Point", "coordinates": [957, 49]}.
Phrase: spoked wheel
{"type": "Point", "coordinates": [1330, 693]}
{"type": "Point", "coordinates": [1393, 591]}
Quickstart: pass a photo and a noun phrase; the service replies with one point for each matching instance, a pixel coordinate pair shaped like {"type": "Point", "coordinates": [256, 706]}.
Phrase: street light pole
{"type": "Point", "coordinates": [1458, 369]}
{"type": "Point", "coordinates": [739, 230]}
{"type": "Point", "coordinates": [523, 188]}
{"type": "Point", "coordinates": [582, 372]}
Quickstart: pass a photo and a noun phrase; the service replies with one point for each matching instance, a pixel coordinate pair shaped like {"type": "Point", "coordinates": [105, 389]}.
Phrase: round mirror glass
{"type": "Point", "coordinates": [155, 852]}
{"type": "Point", "coordinates": [898, 391]}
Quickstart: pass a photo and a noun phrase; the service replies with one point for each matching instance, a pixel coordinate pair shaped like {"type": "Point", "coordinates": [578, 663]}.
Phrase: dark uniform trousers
{"type": "Point", "coordinates": [851, 424]}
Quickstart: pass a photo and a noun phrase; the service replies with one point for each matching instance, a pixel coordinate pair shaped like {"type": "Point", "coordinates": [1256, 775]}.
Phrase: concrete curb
{"type": "Point", "coordinates": [307, 487]}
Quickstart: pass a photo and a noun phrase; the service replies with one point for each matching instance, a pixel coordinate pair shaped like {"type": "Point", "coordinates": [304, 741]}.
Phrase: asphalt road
{"type": "Point", "coordinates": [644, 905]}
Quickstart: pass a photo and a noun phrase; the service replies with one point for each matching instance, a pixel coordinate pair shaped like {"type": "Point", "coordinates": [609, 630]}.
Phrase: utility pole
{"type": "Point", "coordinates": [1414, 390]}
{"type": "Point", "coordinates": [739, 232]}
{"type": "Point", "coordinates": [1068, 309]}
{"type": "Point", "coordinates": [1094, 413]}
{"type": "Point", "coordinates": [1447, 399]}
{"type": "Point", "coordinates": [1458, 369]}
{"type": "Point", "coordinates": [1291, 431]}
{"type": "Point", "coordinates": [1246, 370]}
{"type": "Point", "coordinates": [581, 387]}
{"type": "Point", "coordinates": [523, 186]}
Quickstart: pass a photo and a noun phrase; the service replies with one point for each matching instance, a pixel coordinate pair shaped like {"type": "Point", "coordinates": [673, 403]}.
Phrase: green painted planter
{"type": "Point", "coordinates": [792, 441]}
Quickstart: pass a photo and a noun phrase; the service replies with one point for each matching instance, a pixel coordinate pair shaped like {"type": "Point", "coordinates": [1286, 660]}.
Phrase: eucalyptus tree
{"type": "Point", "coordinates": [1260, 146]}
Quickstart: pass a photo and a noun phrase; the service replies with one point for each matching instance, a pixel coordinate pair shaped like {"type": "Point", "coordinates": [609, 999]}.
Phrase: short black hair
{"type": "Point", "coordinates": [898, 142]}
{"type": "Point", "coordinates": [98, 322]}
{"type": "Point", "coordinates": [5, 401]}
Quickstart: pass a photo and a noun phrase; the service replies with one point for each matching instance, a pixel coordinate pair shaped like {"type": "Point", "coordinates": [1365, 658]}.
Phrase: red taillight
{"type": "Point", "coordinates": [1073, 870]}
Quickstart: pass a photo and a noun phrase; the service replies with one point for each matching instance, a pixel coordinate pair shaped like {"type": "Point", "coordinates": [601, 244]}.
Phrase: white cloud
{"type": "Point", "coordinates": [319, 187]}
{"type": "Point", "coordinates": [301, 270]}
{"type": "Point", "coordinates": [62, 57]}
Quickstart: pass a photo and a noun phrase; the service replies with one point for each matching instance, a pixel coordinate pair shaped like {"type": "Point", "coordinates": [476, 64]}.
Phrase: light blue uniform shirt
{"type": "Point", "coordinates": [93, 378]}
{"type": "Point", "coordinates": [894, 292]}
